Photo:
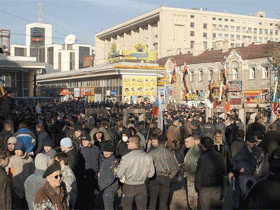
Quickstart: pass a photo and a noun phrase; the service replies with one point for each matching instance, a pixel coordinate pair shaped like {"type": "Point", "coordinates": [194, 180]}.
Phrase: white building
{"type": "Point", "coordinates": [60, 57]}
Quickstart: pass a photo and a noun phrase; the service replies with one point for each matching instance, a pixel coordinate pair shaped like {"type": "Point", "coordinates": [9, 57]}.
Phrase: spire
{"type": "Point", "coordinates": [40, 16]}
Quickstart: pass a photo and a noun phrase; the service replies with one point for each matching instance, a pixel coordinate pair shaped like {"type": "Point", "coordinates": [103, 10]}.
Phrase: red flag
{"type": "Point", "coordinates": [227, 106]}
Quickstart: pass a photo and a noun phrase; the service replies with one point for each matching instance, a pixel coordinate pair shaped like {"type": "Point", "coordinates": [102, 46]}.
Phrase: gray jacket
{"type": "Point", "coordinates": [190, 161]}
{"type": "Point", "coordinates": [32, 184]}
{"type": "Point", "coordinates": [135, 167]}
{"type": "Point", "coordinates": [165, 162]}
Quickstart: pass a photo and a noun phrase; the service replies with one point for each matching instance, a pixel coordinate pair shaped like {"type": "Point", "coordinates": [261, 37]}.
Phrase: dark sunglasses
{"type": "Point", "coordinates": [56, 177]}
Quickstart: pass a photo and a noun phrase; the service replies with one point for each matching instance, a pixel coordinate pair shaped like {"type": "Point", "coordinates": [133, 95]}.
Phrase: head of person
{"type": "Point", "coordinates": [240, 134]}
{"type": "Point", "coordinates": [39, 127]}
{"type": "Point", "coordinates": [107, 148]}
{"type": "Point", "coordinates": [42, 161]}
{"type": "Point", "coordinates": [11, 143]}
{"type": "Point", "coordinates": [4, 158]}
{"type": "Point", "coordinates": [7, 127]}
{"type": "Point", "coordinates": [251, 141]}
{"type": "Point", "coordinates": [175, 121]}
{"type": "Point", "coordinates": [86, 140]}
{"type": "Point", "coordinates": [189, 141]}
{"type": "Point", "coordinates": [162, 139]}
{"type": "Point", "coordinates": [196, 137]}
{"type": "Point", "coordinates": [78, 131]}
{"type": "Point", "coordinates": [10, 93]}
{"type": "Point", "coordinates": [210, 119]}
{"type": "Point", "coordinates": [126, 134]}
{"type": "Point", "coordinates": [62, 158]}
{"type": "Point", "coordinates": [65, 144]}
{"type": "Point", "coordinates": [53, 175]}
{"type": "Point", "coordinates": [47, 145]}
{"type": "Point", "coordinates": [133, 143]}
{"type": "Point", "coordinates": [154, 140]}
{"type": "Point", "coordinates": [19, 149]}
{"type": "Point", "coordinates": [272, 127]}
{"type": "Point", "coordinates": [218, 137]}
{"type": "Point", "coordinates": [22, 125]}
{"type": "Point", "coordinates": [206, 144]}
{"type": "Point", "coordinates": [258, 135]}
{"type": "Point", "coordinates": [133, 130]}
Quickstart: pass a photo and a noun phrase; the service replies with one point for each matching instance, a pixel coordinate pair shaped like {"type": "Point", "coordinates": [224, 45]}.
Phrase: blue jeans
{"type": "Point", "coordinates": [246, 182]}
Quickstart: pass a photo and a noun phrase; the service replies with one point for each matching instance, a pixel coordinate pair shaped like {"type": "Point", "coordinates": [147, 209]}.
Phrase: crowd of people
{"type": "Point", "coordinates": [74, 155]}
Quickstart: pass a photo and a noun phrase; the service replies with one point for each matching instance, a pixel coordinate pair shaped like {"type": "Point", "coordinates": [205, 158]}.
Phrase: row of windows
{"type": "Point", "coordinates": [95, 83]}
{"type": "Point", "coordinates": [235, 74]}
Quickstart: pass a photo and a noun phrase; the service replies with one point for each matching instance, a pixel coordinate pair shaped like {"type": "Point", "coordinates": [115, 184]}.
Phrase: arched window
{"type": "Point", "coordinates": [235, 71]}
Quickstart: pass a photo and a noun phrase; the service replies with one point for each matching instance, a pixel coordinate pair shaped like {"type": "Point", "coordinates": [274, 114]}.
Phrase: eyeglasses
{"type": "Point", "coordinates": [56, 177]}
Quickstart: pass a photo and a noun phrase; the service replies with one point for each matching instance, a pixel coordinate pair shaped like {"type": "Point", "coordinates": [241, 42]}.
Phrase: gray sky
{"type": "Point", "coordinates": [86, 17]}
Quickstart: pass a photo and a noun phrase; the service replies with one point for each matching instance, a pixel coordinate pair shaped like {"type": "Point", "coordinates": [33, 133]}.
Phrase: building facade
{"type": "Point", "coordinates": [248, 70]}
{"type": "Point", "coordinates": [171, 31]}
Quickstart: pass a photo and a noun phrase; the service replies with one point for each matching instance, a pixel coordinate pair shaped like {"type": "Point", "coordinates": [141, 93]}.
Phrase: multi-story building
{"type": "Point", "coordinates": [170, 31]}
{"type": "Point", "coordinates": [39, 44]}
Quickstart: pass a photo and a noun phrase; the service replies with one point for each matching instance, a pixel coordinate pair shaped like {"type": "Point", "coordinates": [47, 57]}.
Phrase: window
{"type": "Point", "coordinates": [226, 27]}
{"type": "Point", "coordinates": [226, 36]}
{"type": "Point", "coordinates": [232, 45]}
{"type": "Point", "coordinates": [276, 39]}
{"type": "Point", "coordinates": [232, 28]}
{"type": "Point", "coordinates": [205, 17]}
{"type": "Point", "coordinates": [265, 72]}
{"type": "Point", "coordinates": [271, 24]}
{"type": "Point", "coordinates": [205, 45]}
{"type": "Point", "coordinates": [255, 30]}
{"type": "Point", "coordinates": [260, 40]}
{"type": "Point", "coordinates": [220, 19]}
{"type": "Point", "coordinates": [260, 31]}
{"type": "Point", "coordinates": [220, 27]}
{"type": "Point", "coordinates": [214, 26]}
{"type": "Point", "coordinates": [231, 20]}
{"type": "Point", "coordinates": [192, 44]}
{"type": "Point", "coordinates": [191, 33]}
{"type": "Point", "coordinates": [271, 32]}
{"type": "Point", "coordinates": [192, 24]}
{"type": "Point", "coordinates": [214, 35]}
{"type": "Point", "coordinates": [200, 76]}
{"type": "Point", "coordinates": [191, 76]}
{"type": "Point", "coordinates": [220, 36]}
{"type": "Point", "coordinates": [260, 23]}
{"type": "Point", "coordinates": [237, 28]}
{"type": "Point", "coordinates": [243, 37]}
{"type": "Point", "coordinates": [214, 18]}
{"type": "Point", "coordinates": [214, 45]}
{"type": "Point", "coordinates": [235, 73]}
{"type": "Point", "coordinates": [244, 29]}
{"type": "Point", "coordinates": [204, 34]}
{"type": "Point", "coordinates": [192, 16]}
{"type": "Point", "coordinates": [255, 39]}
{"type": "Point", "coordinates": [204, 25]}
{"type": "Point", "coordinates": [237, 37]}
{"type": "Point", "coordinates": [232, 37]}
{"type": "Point", "coordinates": [249, 30]}
{"type": "Point", "coordinates": [252, 73]}
{"type": "Point", "coordinates": [226, 19]}
{"type": "Point", "coordinates": [237, 45]}
{"type": "Point", "coordinates": [265, 39]}
{"type": "Point", "coordinates": [265, 31]}
{"type": "Point", "coordinates": [211, 75]}
{"type": "Point", "coordinates": [276, 32]}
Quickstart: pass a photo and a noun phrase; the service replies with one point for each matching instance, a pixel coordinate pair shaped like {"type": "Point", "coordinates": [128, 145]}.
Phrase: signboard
{"type": "Point", "coordinates": [77, 92]}
{"type": "Point", "coordinates": [108, 93]}
{"type": "Point", "coordinates": [161, 81]}
{"type": "Point", "coordinates": [139, 86]}
{"type": "Point", "coordinates": [251, 96]}
{"type": "Point", "coordinates": [113, 92]}
{"type": "Point", "coordinates": [235, 101]}
{"type": "Point", "coordinates": [89, 91]}
{"type": "Point", "coordinates": [37, 36]}
{"type": "Point", "coordinates": [88, 61]}
{"type": "Point", "coordinates": [235, 86]}
{"type": "Point", "coordinates": [139, 51]}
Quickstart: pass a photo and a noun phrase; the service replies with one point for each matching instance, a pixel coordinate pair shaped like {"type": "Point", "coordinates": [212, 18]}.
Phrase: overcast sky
{"type": "Point", "coordinates": [86, 17]}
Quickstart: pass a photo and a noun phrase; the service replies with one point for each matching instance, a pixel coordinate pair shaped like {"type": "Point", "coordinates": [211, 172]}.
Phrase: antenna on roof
{"type": "Point", "coordinates": [40, 15]}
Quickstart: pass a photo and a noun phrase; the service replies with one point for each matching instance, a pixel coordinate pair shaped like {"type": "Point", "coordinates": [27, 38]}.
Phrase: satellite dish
{"type": "Point", "coordinates": [70, 39]}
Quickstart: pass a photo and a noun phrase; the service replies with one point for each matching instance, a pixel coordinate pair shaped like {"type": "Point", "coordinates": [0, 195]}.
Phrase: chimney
{"type": "Point", "coordinates": [222, 45]}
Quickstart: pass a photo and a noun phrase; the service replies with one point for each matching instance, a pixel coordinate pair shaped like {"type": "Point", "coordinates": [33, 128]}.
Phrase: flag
{"type": "Point", "coordinates": [215, 104]}
{"type": "Point", "coordinates": [227, 106]}
{"type": "Point", "coordinates": [167, 94]}
{"type": "Point", "coordinates": [274, 113]}
{"type": "Point", "coordinates": [160, 116]}
{"type": "Point", "coordinates": [185, 81]}
{"type": "Point", "coordinates": [155, 110]}
{"type": "Point", "coordinates": [211, 91]}
{"type": "Point", "coordinates": [174, 76]}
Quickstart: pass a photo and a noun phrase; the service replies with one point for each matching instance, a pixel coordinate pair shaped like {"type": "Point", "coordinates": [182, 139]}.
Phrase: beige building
{"type": "Point", "coordinates": [170, 31]}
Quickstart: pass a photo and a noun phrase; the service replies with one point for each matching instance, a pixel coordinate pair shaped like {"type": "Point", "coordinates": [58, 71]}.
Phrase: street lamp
{"type": "Point", "coordinates": [270, 65]}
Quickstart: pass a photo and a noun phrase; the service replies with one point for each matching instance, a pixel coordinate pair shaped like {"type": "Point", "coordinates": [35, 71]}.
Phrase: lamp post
{"type": "Point", "coordinates": [270, 65]}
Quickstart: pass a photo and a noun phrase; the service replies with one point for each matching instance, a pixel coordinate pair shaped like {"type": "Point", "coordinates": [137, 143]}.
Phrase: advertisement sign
{"type": "Point", "coordinates": [77, 92]}
{"type": "Point", "coordinates": [37, 36]}
{"type": "Point", "coordinates": [139, 51]}
{"type": "Point", "coordinates": [113, 92]}
{"type": "Point", "coordinates": [251, 96]}
{"type": "Point", "coordinates": [235, 86]}
{"type": "Point", "coordinates": [161, 81]}
{"type": "Point", "coordinates": [108, 93]}
{"type": "Point", "coordinates": [88, 61]}
{"type": "Point", "coordinates": [139, 86]}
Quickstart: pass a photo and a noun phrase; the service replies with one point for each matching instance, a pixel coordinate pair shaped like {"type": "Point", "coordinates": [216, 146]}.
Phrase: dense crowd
{"type": "Point", "coordinates": [75, 155]}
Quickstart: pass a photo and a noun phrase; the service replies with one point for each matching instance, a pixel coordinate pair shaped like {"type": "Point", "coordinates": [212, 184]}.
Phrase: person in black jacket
{"type": "Point", "coordinates": [231, 132]}
{"type": "Point", "coordinates": [5, 183]}
{"type": "Point", "coordinates": [209, 176]}
{"type": "Point", "coordinates": [256, 126]}
{"type": "Point", "coordinates": [42, 138]}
